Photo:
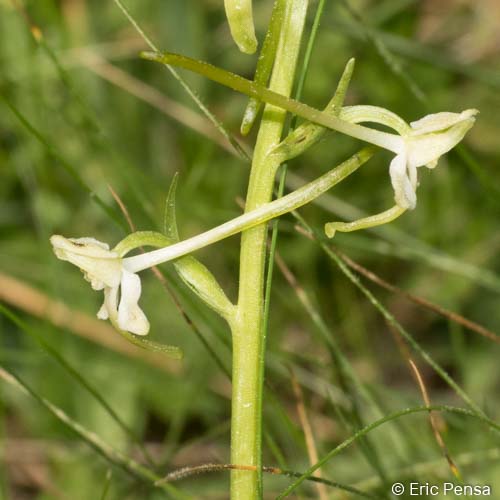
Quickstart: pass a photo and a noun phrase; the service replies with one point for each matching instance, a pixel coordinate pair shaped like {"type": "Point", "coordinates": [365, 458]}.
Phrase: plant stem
{"type": "Point", "coordinates": [247, 327]}
{"type": "Point", "coordinates": [249, 219]}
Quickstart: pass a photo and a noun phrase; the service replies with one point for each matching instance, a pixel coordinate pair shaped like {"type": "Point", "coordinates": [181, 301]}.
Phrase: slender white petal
{"type": "Point", "coordinates": [438, 122]}
{"type": "Point", "coordinates": [130, 316]}
{"type": "Point", "coordinates": [103, 311]}
{"type": "Point", "coordinates": [404, 192]}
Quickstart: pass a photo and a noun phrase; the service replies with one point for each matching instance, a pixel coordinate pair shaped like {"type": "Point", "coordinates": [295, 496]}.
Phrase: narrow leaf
{"type": "Point", "coordinates": [169, 218]}
{"type": "Point", "coordinates": [171, 351]}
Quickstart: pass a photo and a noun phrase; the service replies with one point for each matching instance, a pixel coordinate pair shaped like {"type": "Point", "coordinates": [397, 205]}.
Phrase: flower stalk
{"type": "Point", "coordinates": [252, 218]}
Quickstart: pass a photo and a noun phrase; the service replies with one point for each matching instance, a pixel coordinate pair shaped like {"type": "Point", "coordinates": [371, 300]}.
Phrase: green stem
{"type": "Point", "coordinates": [275, 228]}
{"type": "Point", "coordinates": [251, 218]}
{"type": "Point", "coordinates": [264, 64]}
{"type": "Point", "coordinates": [247, 328]}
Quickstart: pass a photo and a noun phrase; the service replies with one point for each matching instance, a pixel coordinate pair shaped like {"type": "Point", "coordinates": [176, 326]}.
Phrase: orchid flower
{"type": "Point", "coordinates": [419, 144]}
{"type": "Point", "coordinates": [104, 269]}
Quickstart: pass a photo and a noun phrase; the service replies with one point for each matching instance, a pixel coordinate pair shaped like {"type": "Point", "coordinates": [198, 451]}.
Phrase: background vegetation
{"type": "Point", "coordinates": [82, 117]}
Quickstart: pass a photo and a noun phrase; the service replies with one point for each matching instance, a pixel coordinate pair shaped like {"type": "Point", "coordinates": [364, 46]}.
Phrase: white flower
{"type": "Point", "coordinates": [428, 139]}
{"type": "Point", "coordinates": [104, 270]}
{"type": "Point", "coordinates": [419, 144]}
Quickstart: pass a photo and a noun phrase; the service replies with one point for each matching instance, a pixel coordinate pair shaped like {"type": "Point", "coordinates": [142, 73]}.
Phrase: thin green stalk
{"type": "Point", "coordinates": [247, 328]}
{"type": "Point", "coordinates": [278, 99]}
{"type": "Point", "coordinates": [255, 214]}
{"type": "Point", "coordinates": [107, 484]}
{"type": "Point", "coordinates": [265, 321]}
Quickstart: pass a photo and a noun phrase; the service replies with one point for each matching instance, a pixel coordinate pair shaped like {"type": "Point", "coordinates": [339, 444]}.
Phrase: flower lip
{"type": "Point", "coordinates": [130, 315]}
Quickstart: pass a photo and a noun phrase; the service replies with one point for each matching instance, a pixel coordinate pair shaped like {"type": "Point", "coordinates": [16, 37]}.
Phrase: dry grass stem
{"type": "Point", "coordinates": [312, 451]}
{"type": "Point", "coordinates": [30, 300]}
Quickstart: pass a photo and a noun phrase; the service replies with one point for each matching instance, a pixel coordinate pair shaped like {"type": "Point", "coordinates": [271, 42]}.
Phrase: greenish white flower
{"type": "Point", "coordinates": [104, 269]}
{"type": "Point", "coordinates": [421, 143]}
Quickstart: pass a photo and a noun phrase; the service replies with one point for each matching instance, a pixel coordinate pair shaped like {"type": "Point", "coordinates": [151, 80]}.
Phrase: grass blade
{"type": "Point", "coordinates": [190, 92]}
{"type": "Point", "coordinates": [391, 319]}
{"type": "Point", "coordinates": [112, 455]}
{"type": "Point", "coordinates": [75, 374]}
{"type": "Point", "coordinates": [367, 429]}
{"type": "Point", "coordinates": [54, 152]}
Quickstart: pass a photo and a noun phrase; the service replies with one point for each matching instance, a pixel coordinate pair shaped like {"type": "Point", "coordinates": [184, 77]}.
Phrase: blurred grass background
{"type": "Point", "coordinates": [116, 121]}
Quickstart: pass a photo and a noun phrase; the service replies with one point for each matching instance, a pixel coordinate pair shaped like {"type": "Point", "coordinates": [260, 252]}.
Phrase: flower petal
{"type": "Point", "coordinates": [426, 148]}
{"type": "Point", "coordinates": [130, 316]}
{"type": "Point", "coordinates": [108, 309]}
{"type": "Point", "coordinates": [103, 313]}
{"type": "Point", "coordinates": [440, 121]}
{"type": "Point", "coordinates": [404, 192]}
{"type": "Point", "coordinates": [100, 266]}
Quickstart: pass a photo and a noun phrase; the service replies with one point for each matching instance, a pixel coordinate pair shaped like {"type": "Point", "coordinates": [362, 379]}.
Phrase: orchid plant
{"type": "Point", "coordinates": [113, 271]}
